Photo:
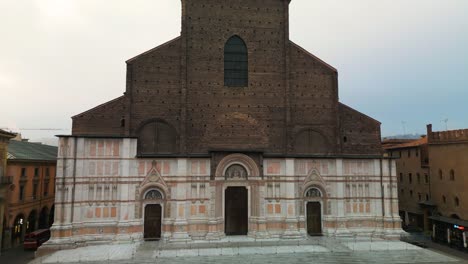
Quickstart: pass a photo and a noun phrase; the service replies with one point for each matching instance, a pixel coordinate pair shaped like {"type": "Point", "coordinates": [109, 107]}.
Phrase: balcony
{"type": "Point", "coordinates": [6, 180]}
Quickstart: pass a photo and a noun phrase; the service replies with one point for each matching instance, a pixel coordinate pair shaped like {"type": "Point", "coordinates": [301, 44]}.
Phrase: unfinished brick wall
{"type": "Point", "coordinates": [105, 119]}
{"type": "Point", "coordinates": [360, 134]}
{"type": "Point", "coordinates": [289, 90]}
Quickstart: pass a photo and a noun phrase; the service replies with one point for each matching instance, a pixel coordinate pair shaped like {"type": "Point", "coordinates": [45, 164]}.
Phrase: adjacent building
{"type": "Point", "coordinates": [30, 206]}
{"type": "Point", "coordinates": [229, 129]}
{"type": "Point", "coordinates": [433, 184]}
{"type": "Point", "coordinates": [448, 162]}
{"type": "Point", "coordinates": [5, 180]}
{"type": "Point", "coordinates": [413, 181]}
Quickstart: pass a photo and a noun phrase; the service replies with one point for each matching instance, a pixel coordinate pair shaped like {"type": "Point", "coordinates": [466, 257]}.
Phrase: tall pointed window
{"type": "Point", "coordinates": [236, 73]}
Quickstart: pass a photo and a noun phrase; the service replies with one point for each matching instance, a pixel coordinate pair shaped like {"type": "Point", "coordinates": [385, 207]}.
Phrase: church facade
{"type": "Point", "coordinates": [228, 129]}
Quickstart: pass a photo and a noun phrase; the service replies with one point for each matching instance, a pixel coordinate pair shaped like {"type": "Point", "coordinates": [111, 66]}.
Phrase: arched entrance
{"type": "Point", "coordinates": [43, 217]}
{"type": "Point", "coordinates": [314, 211]}
{"type": "Point", "coordinates": [31, 224]}
{"type": "Point", "coordinates": [152, 215]}
{"type": "Point", "coordinates": [18, 230]}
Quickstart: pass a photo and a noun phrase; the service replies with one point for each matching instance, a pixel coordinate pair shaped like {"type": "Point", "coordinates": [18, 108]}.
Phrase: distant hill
{"type": "Point", "coordinates": [407, 136]}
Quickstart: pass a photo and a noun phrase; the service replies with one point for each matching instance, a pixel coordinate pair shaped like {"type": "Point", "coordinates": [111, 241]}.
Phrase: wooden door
{"type": "Point", "coordinates": [314, 219]}
{"type": "Point", "coordinates": [152, 226]}
{"type": "Point", "coordinates": [236, 211]}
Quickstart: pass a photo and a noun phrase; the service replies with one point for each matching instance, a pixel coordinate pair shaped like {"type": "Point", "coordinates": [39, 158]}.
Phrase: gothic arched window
{"type": "Point", "coordinates": [236, 73]}
{"type": "Point", "coordinates": [153, 195]}
{"type": "Point", "coordinates": [157, 138]}
{"type": "Point", "coordinates": [313, 192]}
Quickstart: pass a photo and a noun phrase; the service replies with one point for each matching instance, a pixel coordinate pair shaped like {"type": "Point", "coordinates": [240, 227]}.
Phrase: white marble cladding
{"type": "Point", "coordinates": [101, 182]}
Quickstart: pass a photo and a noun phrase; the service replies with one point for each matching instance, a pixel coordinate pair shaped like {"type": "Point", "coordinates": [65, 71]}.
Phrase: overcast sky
{"type": "Point", "coordinates": [402, 62]}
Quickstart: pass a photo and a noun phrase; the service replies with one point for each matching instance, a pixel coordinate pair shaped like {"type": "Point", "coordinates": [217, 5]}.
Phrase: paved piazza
{"type": "Point", "coordinates": [244, 250]}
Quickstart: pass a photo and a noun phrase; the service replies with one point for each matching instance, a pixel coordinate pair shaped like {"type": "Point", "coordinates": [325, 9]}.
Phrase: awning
{"type": "Point", "coordinates": [448, 220]}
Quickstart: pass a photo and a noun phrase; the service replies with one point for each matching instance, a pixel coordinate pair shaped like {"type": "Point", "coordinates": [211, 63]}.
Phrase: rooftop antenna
{"type": "Point", "coordinates": [403, 123]}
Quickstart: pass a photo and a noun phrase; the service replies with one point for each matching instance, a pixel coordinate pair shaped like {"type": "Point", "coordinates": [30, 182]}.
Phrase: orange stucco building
{"type": "Point", "coordinates": [5, 181]}
{"type": "Point", "coordinates": [30, 205]}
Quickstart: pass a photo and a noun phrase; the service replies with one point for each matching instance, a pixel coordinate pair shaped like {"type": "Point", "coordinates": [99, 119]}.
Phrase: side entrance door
{"type": "Point", "coordinates": [236, 211]}
{"type": "Point", "coordinates": [152, 226]}
{"type": "Point", "coordinates": [314, 219]}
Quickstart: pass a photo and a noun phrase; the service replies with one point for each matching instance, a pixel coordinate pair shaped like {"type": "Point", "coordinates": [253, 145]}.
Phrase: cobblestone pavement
{"type": "Point", "coordinates": [245, 251]}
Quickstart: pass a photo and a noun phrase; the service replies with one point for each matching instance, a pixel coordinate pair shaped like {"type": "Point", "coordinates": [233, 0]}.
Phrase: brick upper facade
{"type": "Point", "coordinates": [291, 100]}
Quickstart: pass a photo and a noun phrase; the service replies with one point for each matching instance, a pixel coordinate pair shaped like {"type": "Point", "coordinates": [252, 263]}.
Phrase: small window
{"type": "Point", "coordinates": [401, 177]}
{"type": "Point", "coordinates": [427, 197]}
{"type": "Point", "coordinates": [417, 152]}
{"type": "Point", "coordinates": [444, 199]}
{"type": "Point", "coordinates": [410, 176]}
{"type": "Point", "coordinates": [409, 153]}
{"type": "Point", "coordinates": [419, 196]}
{"type": "Point", "coordinates": [452, 175]}
{"type": "Point", "coordinates": [235, 63]}
{"type": "Point", "coordinates": [418, 177]}
{"type": "Point", "coordinates": [457, 201]}
{"type": "Point", "coordinates": [36, 172]}
{"type": "Point", "coordinates": [47, 172]}
{"type": "Point", "coordinates": [46, 188]}
{"type": "Point", "coordinates": [23, 172]}
{"type": "Point", "coordinates": [35, 191]}
{"type": "Point", "coordinates": [440, 174]}
{"type": "Point", "coordinates": [411, 193]}
{"type": "Point", "coordinates": [21, 192]}
{"type": "Point", "coordinates": [426, 178]}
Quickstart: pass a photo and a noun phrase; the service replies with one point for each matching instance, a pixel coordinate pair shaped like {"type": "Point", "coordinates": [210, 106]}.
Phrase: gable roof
{"type": "Point", "coordinates": [410, 144]}
{"type": "Point", "coordinates": [22, 150]}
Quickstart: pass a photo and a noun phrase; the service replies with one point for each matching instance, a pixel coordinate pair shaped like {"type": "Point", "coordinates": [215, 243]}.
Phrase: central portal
{"type": "Point", "coordinates": [236, 211]}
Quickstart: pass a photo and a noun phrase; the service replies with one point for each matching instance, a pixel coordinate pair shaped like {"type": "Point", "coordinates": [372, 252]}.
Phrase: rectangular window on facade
{"type": "Point", "coordinates": [410, 176]}
{"type": "Point", "coordinates": [418, 178]}
{"type": "Point", "coordinates": [21, 192]}
{"type": "Point", "coordinates": [401, 177]}
{"type": "Point", "coordinates": [23, 172]}
{"type": "Point", "coordinates": [35, 191]}
{"type": "Point", "coordinates": [417, 152]}
{"type": "Point", "coordinates": [409, 153]}
{"type": "Point", "coordinates": [46, 188]}
{"type": "Point", "coordinates": [426, 178]}
{"type": "Point", "coordinates": [47, 172]}
{"type": "Point", "coordinates": [36, 172]}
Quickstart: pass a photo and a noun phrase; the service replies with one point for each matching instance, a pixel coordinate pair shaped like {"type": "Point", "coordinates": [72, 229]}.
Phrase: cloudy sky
{"type": "Point", "coordinates": [403, 62]}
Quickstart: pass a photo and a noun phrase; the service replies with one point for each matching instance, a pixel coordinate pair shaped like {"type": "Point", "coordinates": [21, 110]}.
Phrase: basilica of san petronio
{"type": "Point", "coordinates": [229, 129]}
